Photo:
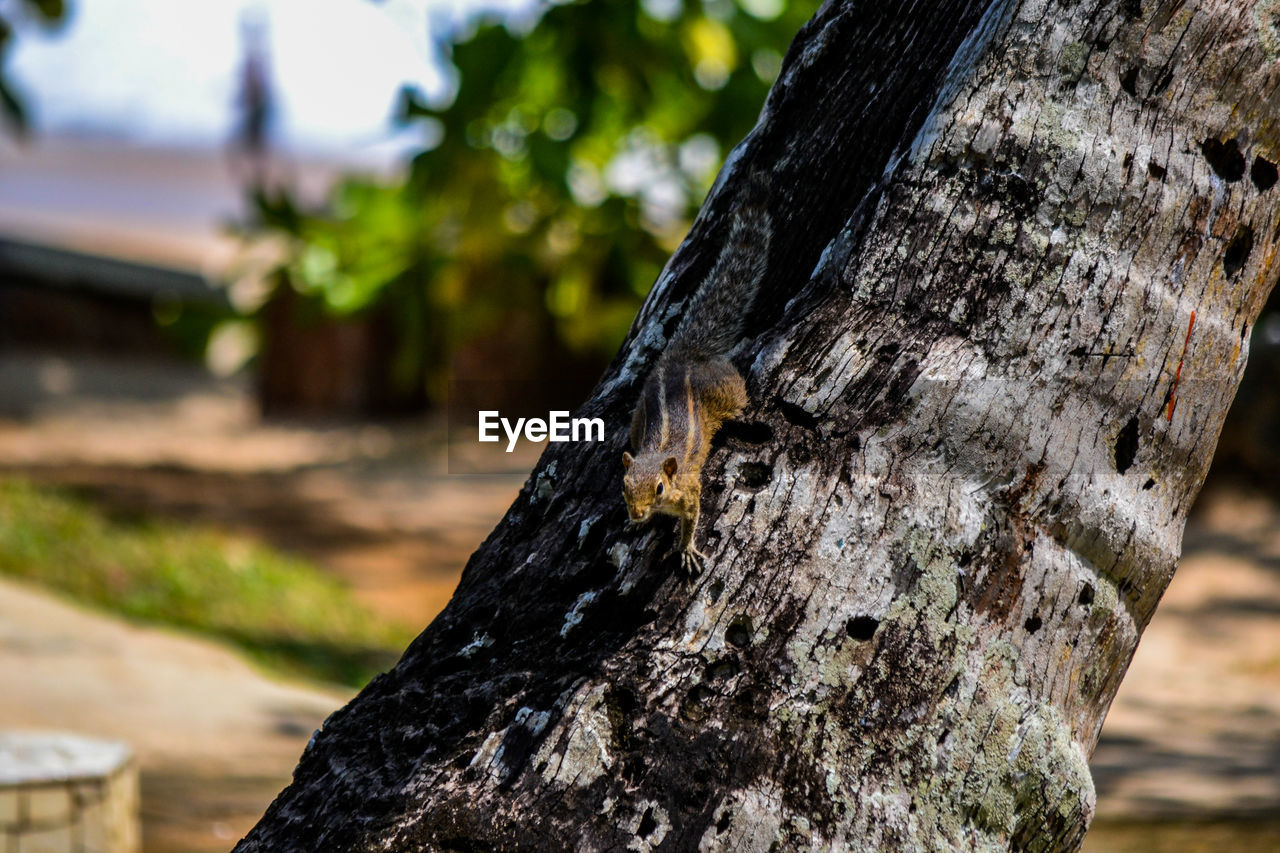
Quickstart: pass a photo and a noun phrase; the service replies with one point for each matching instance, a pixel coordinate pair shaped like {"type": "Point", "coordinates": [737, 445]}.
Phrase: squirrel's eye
{"type": "Point", "coordinates": [659, 488]}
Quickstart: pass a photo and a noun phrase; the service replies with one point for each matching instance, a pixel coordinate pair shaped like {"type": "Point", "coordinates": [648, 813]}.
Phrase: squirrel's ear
{"type": "Point", "coordinates": [669, 467]}
{"type": "Point", "coordinates": [626, 459]}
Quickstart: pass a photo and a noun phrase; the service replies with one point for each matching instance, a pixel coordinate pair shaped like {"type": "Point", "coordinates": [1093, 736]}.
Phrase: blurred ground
{"type": "Point", "coordinates": [1195, 728]}
{"type": "Point", "coordinates": [214, 738]}
{"type": "Point", "coordinates": [389, 508]}
{"type": "Point", "coordinates": [1189, 759]}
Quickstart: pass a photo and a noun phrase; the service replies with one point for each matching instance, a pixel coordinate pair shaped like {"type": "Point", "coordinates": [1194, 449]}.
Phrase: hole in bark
{"type": "Point", "coordinates": [723, 823]}
{"type": "Point", "coordinates": [1021, 194]}
{"type": "Point", "coordinates": [721, 670]}
{"type": "Point", "coordinates": [1133, 9]}
{"type": "Point", "coordinates": [801, 454]}
{"type": "Point", "coordinates": [647, 824]}
{"type": "Point", "coordinates": [748, 433]}
{"type": "Point", "coordinates": [1126, 449]}
{"type": "Point", "coordinates": [694, 708]}
{"type": "Point", "coordinates": [1156, 171]}
{"type": "Point", "coordinates": [796, 416]}
{"type": "Point", "coordinates": [1033, 624]}
{"type": "Point", "coordinates": [862, 627]}
{"type": "Point", "coordinates": [965, 559]}
{"type": "Point", "coordinates": [753, 475]}
{"type": "Point", "coordinates": [739, 631]}
{"type": "Point", "coordinates": [1264, 174]}
{"type": "Point", "coordinates": [1238, 251]}
{"type": "Point", "coordinates": [1086, 595]}
{"type": "Point", "coordinates": [716, 590]}
{"type": "Point", "coordinates": [1129, 81]}
{"type": "Point", "coordinates": [1224, 158]}
{"type": "Point", "coordinates": [1150, 484]}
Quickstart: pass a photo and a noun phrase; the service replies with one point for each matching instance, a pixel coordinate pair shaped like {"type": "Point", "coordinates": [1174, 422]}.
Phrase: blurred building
{"type": "Point", "coordinates": [150, 123]}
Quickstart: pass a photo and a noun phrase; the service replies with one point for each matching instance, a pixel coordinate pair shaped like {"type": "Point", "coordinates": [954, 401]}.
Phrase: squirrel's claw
{"type": "Point", "coordinates": [691, 561]}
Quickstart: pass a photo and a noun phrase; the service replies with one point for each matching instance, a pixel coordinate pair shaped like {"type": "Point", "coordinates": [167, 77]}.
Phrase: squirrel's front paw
{"type": "Point", "coordinates": [691, 562]}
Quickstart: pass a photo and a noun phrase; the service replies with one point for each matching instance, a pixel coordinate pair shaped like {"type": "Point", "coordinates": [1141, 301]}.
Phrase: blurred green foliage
{"type": "Point", "coordinates": [41, 12]}
{"type": "Point", "coordinates": [562, 172]}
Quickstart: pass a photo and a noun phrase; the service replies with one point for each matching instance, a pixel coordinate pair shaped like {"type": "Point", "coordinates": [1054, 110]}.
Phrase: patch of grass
{"type": "Point", "coordinates": [284, 612]}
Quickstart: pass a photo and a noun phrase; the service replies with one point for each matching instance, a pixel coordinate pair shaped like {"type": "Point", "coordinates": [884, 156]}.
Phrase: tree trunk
{"type": "Point", "coordinates": [1019, 248]}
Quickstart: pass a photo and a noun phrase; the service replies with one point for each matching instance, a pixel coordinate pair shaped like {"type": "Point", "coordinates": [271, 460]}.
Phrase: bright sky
{"type": "Point", "coordinates": [167, 71]}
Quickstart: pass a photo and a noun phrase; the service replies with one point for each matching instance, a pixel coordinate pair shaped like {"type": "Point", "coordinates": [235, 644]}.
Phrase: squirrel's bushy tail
{"type": "Point", "coordinates": [713, 319]}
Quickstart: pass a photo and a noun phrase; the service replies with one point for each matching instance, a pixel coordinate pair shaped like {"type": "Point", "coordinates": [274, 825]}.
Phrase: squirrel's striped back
{"type": "Point", "coordinates": [682, 407]}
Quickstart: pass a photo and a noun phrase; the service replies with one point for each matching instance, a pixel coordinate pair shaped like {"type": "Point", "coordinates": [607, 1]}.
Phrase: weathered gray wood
{"type": "Point", "coordinates": [937, 535]}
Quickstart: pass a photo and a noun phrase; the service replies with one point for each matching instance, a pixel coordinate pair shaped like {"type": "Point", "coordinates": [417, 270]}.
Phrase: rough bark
{"type": "Point", "coordinates": [936, 536]}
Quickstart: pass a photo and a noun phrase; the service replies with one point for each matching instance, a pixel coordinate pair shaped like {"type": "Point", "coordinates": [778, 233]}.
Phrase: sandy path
{"type": "Point", "coordinates": [1195, 728]}
{"type": "Point", "coordinates": [215, 739]}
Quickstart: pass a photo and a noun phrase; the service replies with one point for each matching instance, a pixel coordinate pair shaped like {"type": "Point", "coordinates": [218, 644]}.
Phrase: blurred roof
{"type": "Point", "coordinates": [74, 270]}
{"type": "Point", "coordinates": [105, 197]}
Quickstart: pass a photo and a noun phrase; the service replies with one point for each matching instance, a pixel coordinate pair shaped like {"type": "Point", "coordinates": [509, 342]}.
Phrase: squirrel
{"type": "Point", "coordinates": [694, 388]}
